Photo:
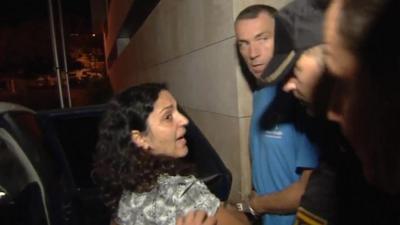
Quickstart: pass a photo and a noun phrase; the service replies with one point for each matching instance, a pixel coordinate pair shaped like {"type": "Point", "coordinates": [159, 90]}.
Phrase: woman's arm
{"type": "Point", "coordinates": [224, 216]}
{"type": "Point", "coordinates": [196, 218]}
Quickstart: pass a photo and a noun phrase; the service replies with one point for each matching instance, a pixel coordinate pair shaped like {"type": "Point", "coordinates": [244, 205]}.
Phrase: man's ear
{"type": "Point", "coordinates": [139, 140]}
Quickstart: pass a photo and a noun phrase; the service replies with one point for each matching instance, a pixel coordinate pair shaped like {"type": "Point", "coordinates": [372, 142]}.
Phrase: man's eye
{"type": "Point", "coordinates": [241, 44]}
{"type": "Point", "coordinates": [296, 70]}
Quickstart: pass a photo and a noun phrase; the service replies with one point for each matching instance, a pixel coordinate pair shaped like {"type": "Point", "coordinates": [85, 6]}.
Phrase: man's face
{"type": "Point", "coordinates": [306, 74]}
{"type": "Point", "coordinates": [255, 40]}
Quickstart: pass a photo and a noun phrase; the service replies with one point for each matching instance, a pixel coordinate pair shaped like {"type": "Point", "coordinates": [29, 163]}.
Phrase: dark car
{"type": "Point", "coordinates": [45, 163]}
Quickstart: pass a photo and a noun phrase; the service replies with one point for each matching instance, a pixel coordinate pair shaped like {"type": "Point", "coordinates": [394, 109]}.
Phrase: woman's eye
{"type": "Point", "coordinates": [168, 117]}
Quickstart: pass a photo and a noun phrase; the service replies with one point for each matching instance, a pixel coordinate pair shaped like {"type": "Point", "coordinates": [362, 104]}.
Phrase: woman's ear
{"type": "Point", "coordinates": [139, 140]}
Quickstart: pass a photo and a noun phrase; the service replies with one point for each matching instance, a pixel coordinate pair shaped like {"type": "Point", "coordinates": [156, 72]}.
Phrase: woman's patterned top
{"type": "Point", "coordinates": [174, 196]}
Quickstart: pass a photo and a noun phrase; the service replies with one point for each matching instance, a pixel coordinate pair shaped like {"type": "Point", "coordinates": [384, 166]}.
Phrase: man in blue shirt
{"type": "Point", "coordinates": [282, 156]}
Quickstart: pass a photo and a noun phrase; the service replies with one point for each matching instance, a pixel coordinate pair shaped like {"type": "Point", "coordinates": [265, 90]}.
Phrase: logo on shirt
{"type": "Point", "coordinates": [274, 133]}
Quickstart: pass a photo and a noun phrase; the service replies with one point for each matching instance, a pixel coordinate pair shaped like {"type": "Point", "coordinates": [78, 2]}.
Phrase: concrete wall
{"type": "Point", "coordinates": [190, 45]}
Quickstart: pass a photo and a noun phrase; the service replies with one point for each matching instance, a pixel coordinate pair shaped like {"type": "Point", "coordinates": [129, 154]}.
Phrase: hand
{"type": "Point", "coordinates": [196, 218]}
{"type": "Point", "coordinates": [246, 205]}
{"type": "Point", "coordinates": [252, 201]}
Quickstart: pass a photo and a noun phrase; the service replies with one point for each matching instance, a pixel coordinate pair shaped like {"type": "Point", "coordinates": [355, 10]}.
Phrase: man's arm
{"type": "Point", "coordinates": [284, 201]}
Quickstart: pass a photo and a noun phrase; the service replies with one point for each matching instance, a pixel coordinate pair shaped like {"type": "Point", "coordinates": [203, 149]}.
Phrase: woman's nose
{"type": "Point", "coordinates": [183, 120]}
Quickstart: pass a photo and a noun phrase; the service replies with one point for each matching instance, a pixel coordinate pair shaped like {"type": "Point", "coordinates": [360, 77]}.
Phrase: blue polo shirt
{"type": "Point", "coordinates": [279, 150]}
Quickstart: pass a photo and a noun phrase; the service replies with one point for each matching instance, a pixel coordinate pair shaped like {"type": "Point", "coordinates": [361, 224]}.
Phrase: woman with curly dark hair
{"type": "Point", "coordinates": [138, 167]}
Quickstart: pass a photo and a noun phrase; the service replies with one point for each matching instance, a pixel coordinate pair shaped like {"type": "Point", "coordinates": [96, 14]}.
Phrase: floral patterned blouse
{"type": "Point", "coordinates": [174, 196]}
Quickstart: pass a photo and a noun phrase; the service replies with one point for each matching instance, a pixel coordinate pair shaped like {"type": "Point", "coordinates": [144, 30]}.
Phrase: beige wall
{"type": "Point", "coordinates": [190, 45]}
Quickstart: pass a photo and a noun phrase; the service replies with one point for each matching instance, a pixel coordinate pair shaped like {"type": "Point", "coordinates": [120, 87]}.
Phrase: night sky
{"type": "Point", "coordinates": [24, 25]}
{"type": "Point", "coordinates": [13, 12]}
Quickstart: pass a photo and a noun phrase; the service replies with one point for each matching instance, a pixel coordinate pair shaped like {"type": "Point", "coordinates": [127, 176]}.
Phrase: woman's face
{"type": "Point", "coordinates": [165, 129]}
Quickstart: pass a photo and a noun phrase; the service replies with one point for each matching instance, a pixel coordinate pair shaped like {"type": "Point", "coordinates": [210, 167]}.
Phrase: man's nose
{"type": "Point", "coordinates": [254, 51]}
{"type": "Point", "coordinates": [335, 116]}
{"type": "Point", "coordinates": [290, 85]}
{"type": "Point", "coordinates": [337, 105]}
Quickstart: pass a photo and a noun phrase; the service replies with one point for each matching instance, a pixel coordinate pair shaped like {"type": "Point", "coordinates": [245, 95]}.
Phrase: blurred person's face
{"type": "Point", "coordinates": [165, 129]}
{"type": "Point", "coordinates": [346, 104]}
{"type": "Point", "coordinates": [340, 63]}
{"type": "Point", "coordinates": [306, 74]}
{"type": "Point", "coordinates": [255, 40]}
{"type": "Point", "coordinates": [339, 60]}
{"type": "Point", "coordinates": [364, 103]}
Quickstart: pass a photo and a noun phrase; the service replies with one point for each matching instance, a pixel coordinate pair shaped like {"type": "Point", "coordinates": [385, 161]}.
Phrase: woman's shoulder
{"type": "Point", "coordinates": [176, 182]}
{"type": "Point", "coordinates": [177, 179]}
{"type": "Point", "coordinates": [178, 187]}
{"type": "Point", "coordinates": [188, 193]}
{"type": "Point", "coordinates": [173, 196]}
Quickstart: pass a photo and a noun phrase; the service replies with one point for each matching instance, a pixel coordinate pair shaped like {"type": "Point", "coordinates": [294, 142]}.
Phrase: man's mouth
{"type": "Point", "coordinates": [259, 68]}
{"type": "Point", "coordinates": [298, 95]}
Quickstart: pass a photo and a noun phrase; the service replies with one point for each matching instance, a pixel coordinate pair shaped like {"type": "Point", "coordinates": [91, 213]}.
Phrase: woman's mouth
{"type": "Point", "coordinates": [181, 141]}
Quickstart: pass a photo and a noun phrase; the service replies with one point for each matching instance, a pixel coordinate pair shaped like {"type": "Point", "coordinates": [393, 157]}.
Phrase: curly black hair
{"type": "Point", "coordinates": [120, 165]}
